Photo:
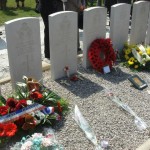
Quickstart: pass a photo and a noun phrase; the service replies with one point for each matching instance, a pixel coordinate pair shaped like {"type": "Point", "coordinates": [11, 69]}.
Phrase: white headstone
{"type": "Point", "coordinates": [24, 48]}
{"type": "Point", "coordinates": [139, 22]}
{"type": "Point", "coordinates": [148, 32]}
{"type": "Point", "coordinates": [94, 27]}
{"type": "Point", "coordinates": [119, 25]}
{"type": "Point", "coordinates": [63, 43]}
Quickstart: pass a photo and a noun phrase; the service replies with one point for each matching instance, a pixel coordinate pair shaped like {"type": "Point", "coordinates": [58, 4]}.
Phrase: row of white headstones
{"type": "Point", "coordinates": [24, 43]}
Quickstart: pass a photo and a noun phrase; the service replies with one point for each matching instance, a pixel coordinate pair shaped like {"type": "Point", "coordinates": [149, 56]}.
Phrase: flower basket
{"type": "Point", "coordinates": [29, 107]}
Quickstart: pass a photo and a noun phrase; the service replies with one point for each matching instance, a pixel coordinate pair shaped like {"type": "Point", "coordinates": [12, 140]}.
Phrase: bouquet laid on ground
{"type": "Point", "coordinates": [137, 56]}
{"type": "Point", "coordinates": [141, 124]}
{"type": "Point", "coordinates": [39, 141]}
{"type": "Point", "coordinates": [84, 125]}
{"type": "Point", "coordinates": [30, 105]}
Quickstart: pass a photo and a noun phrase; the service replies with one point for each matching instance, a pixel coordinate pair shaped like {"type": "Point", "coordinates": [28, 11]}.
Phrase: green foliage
{"type": "Point", "coordinates": [12, 12]}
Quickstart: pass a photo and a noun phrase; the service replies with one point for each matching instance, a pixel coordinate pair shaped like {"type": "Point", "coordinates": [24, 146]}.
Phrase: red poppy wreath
{"type": "Point", "coordinates": [101, 54]}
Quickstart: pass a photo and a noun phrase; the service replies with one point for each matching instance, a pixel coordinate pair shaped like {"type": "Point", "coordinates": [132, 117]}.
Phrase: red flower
{"type": "Point", "coordinates": [2, 130]}
{"type": "Point", "coordinates": [59, 107]}
{"type": "Point", "coordinates": [20, 121]}
{"type": "Point", "coordinates": [10, 129]}
{"type": "Point", "coordinates": [36, 95]}
{"type": "Point", "coordinates": [22, 103]}
{"type": "Point", "coordinates": [4, 110]}
{"type": "Point", "coordinates": [11, 102]}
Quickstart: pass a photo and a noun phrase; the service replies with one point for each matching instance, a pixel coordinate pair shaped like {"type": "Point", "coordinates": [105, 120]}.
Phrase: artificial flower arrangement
{"type": "Point", "coordinates": [31, 104]}
{"type": "Point", "coordinates": [101, 54]}
{"type": "Point", "coordinates": [137, 56]}
{"type": "Point", "coordinates": [39, 141]}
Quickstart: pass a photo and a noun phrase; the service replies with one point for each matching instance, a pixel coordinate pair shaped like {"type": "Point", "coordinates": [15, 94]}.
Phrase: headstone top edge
{"type": "Point", "coordinates": [62, 12]}
{"type": "Point", "coordinates": [92, 8]}
{"type": "Point", "coordinates": [140, 2]}
{"type": "Point", "coordinates": [18, 19]}
{"type": "Point", "coordinates": [121, 4]}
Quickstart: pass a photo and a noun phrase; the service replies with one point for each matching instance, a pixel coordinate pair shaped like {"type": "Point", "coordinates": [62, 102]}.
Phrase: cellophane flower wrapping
{"type": "Point", "coordinates": [84, 125]}
{"type": "Point", "coordinates": [39, 141]}
{"type": "Point", "coordinates": [141, 124]}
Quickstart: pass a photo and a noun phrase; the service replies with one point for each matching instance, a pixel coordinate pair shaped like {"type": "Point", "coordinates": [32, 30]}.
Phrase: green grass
{"type": "Point", "coordinates": [12, 12]}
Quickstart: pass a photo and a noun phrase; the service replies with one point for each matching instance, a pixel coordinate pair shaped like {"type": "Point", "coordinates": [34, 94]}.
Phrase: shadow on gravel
{"type": "Point", "coordinates": [82, 88]}
{"type": "Point", "coordinates": [116, 76]}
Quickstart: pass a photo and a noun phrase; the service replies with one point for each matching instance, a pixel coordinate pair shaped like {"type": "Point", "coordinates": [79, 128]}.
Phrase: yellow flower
{"type": "Point", "coordinates": [126, 57]}
{"type": "Point", "coordinates": [131, 61]}
{"type": "Point", "coordinates": [127, 51]}
{"type": "Point", "coordinates": [148, 51]}
{"type": "Point", "coordinates": [140, 52]}
{"type": "Point", "coordinates": [136, 66]}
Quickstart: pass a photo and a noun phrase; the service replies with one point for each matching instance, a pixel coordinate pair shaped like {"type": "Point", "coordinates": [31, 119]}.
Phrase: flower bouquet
{"type": "Point", "coordinates": [30, 105]}
{"type": "Point", "coordinates": [137, 56]}
{"type": "Point", "coordinates": [39, 141]}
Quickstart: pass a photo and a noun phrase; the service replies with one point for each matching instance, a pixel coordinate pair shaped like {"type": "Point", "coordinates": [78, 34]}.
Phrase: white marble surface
{"type": "Point", "coordinates": [94, 27]}
{"type": "Point", "coordinates": [139, 22]}
{"type": "Point", "coordinates": [119, 25]}
{"type": "Point", "coordinates": [24, 48]}
{"type": "Point", "coordinates": [63, 43]}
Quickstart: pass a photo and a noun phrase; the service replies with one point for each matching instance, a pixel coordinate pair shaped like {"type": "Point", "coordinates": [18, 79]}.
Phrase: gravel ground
{"type": "Point", "coordinates": [108, 121]}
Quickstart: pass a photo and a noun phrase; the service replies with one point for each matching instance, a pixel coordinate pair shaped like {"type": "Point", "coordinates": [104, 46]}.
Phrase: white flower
{"type": "Point", "coordinates": [46, 142]}
{"type": "Point", "coordinates": [26, 146]}
{"type": "Point", "coordinates": [37, 135]}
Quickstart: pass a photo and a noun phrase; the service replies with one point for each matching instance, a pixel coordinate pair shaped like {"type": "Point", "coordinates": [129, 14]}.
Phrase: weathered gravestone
{"type": "Point", "coordinates": [24, 48]}
{"type": "Point", "coordinates": [139, 22]}
{"type": "Point", "coordinates": [119, 25]}
{"type": "Point", "coordinates": [63, 43]}
{"type": "Point", "coordinates": [94, 27]}
{"type": "Point", "coordinates": [148, 32]}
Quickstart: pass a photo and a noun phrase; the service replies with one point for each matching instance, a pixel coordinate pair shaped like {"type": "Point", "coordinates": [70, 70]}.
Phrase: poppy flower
{"type": "Point", "coordinates": [4, 110]}
{"type": "Point", "coordinates": [36, 95]}
{"type": "Point", "coordinates": [2, 130]}
{"type": "Point", "coordinates": [10, 129]}
{"type": "Point", "coordinates": [11, 102]}
{"type": "Point", "coordinates": [21, 104]}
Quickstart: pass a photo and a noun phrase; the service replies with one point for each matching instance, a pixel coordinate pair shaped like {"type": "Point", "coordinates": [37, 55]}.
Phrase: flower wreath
{"type": "Point", "coordinates": [101, 54]}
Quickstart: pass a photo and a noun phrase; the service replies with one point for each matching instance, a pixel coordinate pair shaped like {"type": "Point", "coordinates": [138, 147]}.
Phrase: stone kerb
{"type": "Point", "coordinates": [63, 43]}
{"type": "Point", "coordinates": [139, 22]}
{"type": "Point", "coordinates": [94, 27]}
{"type": "Point", "coordinates": [119, 25]}
{"type": "Point", "coordinates": [24, 48]}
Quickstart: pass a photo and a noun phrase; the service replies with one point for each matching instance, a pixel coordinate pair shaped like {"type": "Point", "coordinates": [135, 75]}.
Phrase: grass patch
{"type": "Point", "coordinates": [12, 12]}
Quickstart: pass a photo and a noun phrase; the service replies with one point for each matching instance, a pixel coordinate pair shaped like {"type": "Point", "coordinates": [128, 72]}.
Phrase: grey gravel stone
{"type": "Point", "coordinates": [108, 121]}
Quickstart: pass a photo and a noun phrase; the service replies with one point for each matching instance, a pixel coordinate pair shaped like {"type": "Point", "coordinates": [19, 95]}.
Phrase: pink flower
{"type": "Point", "coordinates": [26, 146]}
{"type": "Point", "coordinates": [46, 142]}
